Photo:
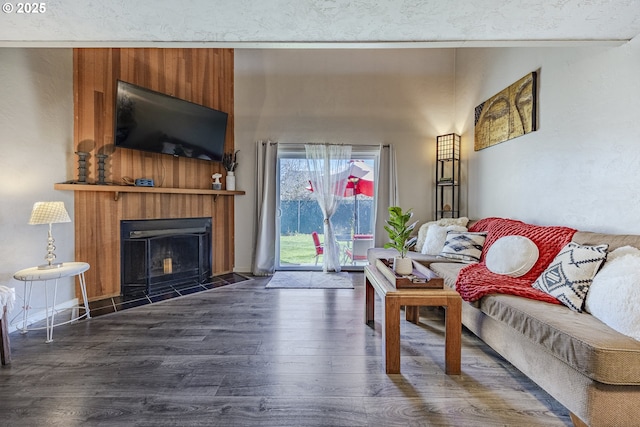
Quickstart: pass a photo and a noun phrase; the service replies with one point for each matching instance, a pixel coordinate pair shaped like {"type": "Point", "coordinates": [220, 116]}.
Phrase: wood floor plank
{"type": "Point", "coordinates": [243, 355]}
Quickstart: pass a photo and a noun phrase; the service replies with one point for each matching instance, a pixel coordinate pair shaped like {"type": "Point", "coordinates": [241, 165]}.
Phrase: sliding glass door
{"type": "Point", "coordinates": [300, 234]}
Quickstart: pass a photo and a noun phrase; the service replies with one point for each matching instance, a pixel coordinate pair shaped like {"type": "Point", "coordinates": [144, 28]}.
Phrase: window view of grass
{"type": "Point", "coordinates": [298, 249]}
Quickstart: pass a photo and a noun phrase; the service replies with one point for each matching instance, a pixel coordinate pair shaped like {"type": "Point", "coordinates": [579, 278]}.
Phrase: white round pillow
{"type": "Point", "coordinates": [512, 256]}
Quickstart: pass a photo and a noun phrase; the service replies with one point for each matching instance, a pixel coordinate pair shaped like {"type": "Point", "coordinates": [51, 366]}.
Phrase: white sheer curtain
{"type": "Point", "coordinates": [266, 201]}
{"type": "Point", "coordinates": [328, 172]}
{"type": "Point", "coordinates": [386, 192]}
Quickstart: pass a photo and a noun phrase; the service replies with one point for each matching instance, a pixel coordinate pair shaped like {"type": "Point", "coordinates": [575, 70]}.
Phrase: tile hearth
{"type": "Point", "coordinates": [119, 303]}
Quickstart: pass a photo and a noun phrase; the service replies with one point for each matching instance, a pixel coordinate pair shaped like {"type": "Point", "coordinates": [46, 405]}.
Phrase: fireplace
{"type": "Point", "coordinates": [157, 254]}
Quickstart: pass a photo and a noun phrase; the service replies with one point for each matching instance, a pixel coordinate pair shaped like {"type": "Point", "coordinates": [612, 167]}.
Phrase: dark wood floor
{"type": "Point", "coordinates": [242, 355]}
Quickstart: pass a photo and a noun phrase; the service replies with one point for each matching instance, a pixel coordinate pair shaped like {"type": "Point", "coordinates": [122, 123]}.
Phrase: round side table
{"type": "Point", "coordinates": [33, 274]}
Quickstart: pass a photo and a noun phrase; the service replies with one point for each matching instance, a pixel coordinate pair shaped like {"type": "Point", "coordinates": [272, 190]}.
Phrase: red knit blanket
{"type": "Point", "coordinates": [476, 281]}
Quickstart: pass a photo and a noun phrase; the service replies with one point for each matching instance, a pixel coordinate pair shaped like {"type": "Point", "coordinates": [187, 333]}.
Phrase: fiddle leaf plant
{"type": "Point", "coordinates": [400, 230]}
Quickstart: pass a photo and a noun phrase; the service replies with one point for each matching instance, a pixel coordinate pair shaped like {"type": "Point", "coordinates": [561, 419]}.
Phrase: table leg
{"type": "Point", "coordinates": [370, 300]}
{"type": "Point", "coordinates": [453, 336]}
{"type": "Point", "coordinates": [25, 307]}
{"type": "Point", "coordinates": [46, 310]}
{"type": "Point", "coordinates": [51, 317]}
{"type": "Point", "coordinates": [412, 314]}
{"type": "Point", "coordinates": [83, 289]}
{"type": "Point", "coordinates": [391, 334]}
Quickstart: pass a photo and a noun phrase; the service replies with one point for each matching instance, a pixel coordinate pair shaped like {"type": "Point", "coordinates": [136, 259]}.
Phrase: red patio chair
{"type": "Point", "coordinates": [318, 245]}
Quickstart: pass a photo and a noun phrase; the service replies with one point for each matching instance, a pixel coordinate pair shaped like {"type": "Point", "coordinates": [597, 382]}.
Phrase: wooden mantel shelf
{"type": "Point", "coordinates": [117, 189]}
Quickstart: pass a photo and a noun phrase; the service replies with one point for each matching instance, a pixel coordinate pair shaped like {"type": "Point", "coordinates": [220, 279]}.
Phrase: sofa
{"type": "Point", "coordinates": [585, 362]}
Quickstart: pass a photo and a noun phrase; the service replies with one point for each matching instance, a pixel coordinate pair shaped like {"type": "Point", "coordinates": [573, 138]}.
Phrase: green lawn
{"type": "Point", "coordinates": [298, 249]}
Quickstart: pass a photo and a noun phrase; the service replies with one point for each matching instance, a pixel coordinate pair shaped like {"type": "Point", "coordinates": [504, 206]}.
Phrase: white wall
{"type": "Point", "coordinates": [353, 96]}
{"type": "Point", "coordinates": [36, 118]}
{"type": "Point", "coordinates": [402, 97]}
{"type": "Point", "coordinates": [582, 167]}
{"type": "Point", "coordinates": [579, 168]}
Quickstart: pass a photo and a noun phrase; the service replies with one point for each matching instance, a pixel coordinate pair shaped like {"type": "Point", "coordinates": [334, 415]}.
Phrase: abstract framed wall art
{"type": "Point", "coordinates": [508, 114]}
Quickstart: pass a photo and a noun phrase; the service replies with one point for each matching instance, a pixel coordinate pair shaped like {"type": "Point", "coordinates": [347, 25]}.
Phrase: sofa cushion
{"type": "Point", "coordinates": [614, 295]}
{"type": "Point", "coordinates": [578, 339]}
{"type": "Point", "coordinates": [512, 256]}
{"type": "Point", "coordinates": [463, 245]}
{"type": "Point", "coordinates": [448, 271]}
{"type": "Point", "coordinates": [569, 275]}
{"type": "Point", "coordinates": [422, 231]}
{"type": "Point", "coordinates": [437, 236]}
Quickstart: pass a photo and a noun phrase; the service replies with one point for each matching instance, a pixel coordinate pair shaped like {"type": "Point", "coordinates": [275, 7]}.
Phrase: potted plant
{"type": "Point", "coordinates": [399, 231]}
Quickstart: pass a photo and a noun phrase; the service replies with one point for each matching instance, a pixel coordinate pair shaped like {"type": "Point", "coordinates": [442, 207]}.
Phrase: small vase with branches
{"type": "Point", "coordinates": [230, 163]}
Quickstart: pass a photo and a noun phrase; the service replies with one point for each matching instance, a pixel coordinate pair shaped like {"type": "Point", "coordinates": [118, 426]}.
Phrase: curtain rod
{"type": "Point", "coordinates": [319, 143]}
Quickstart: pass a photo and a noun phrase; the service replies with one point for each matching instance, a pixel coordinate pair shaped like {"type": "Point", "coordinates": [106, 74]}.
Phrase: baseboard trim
{"type": "Point", "coordinates": [38, 316]}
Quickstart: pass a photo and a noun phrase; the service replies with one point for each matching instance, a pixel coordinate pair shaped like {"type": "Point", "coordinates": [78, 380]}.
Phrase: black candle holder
{"type": "Point", "coordinates": [82, 166]}
{"type": "Point", "coordinates": [101, 162]}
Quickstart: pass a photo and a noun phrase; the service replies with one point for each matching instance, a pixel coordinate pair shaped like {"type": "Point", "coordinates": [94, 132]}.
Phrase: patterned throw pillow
{"type": "Point", "coordinates": [436, 236]}
{"type": "Point", "coordinates": [464, 246]}
{"type": "Point", "coordinates": [570, 274]}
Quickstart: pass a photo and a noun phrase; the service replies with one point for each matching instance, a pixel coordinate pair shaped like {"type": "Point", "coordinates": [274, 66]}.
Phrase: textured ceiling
{"type": "Point", "coordinates": [282, 22]}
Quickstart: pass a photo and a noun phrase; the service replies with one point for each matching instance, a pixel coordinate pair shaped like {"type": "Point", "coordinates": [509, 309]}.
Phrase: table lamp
{"type": "Point", "coordinates": [49, 213]}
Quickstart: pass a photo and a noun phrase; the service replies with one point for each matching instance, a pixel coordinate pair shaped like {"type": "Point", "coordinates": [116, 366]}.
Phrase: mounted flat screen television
{"type": "Point", "coordinates": [152, 121]}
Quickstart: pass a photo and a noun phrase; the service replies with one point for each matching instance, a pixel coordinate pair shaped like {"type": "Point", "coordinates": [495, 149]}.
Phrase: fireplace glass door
{"type": "Point", "coordinates": [155, 259]}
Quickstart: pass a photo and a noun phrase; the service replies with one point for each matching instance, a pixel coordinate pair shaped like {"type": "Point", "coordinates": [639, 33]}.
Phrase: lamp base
{"type": "Point", "coordinates": [49, 266]}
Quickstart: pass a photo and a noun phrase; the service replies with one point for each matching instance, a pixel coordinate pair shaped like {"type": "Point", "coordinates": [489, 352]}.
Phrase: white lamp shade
{"type": "Point", "coordinates": [48, 213]}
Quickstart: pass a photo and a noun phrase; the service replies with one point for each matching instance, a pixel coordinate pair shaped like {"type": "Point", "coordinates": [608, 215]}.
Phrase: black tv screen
{"type": "Point", "coordinates": [152, 121]}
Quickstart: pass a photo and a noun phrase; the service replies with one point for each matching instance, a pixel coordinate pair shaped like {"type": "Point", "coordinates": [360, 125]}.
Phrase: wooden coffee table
{"type": "Point", "coordinates": [393, 299]}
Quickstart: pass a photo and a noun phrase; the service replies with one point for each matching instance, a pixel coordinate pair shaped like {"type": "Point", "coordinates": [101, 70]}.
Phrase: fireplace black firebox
{"type": "Point", "coordinates": [156, 254]}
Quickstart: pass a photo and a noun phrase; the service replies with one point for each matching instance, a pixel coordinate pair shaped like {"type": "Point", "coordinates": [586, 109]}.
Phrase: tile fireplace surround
{"type": "Point", "coordinates": [119, 303]}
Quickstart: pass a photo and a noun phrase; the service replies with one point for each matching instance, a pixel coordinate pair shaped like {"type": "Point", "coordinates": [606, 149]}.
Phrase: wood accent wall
{"type": "Point", "coordinates": [203, 76]}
